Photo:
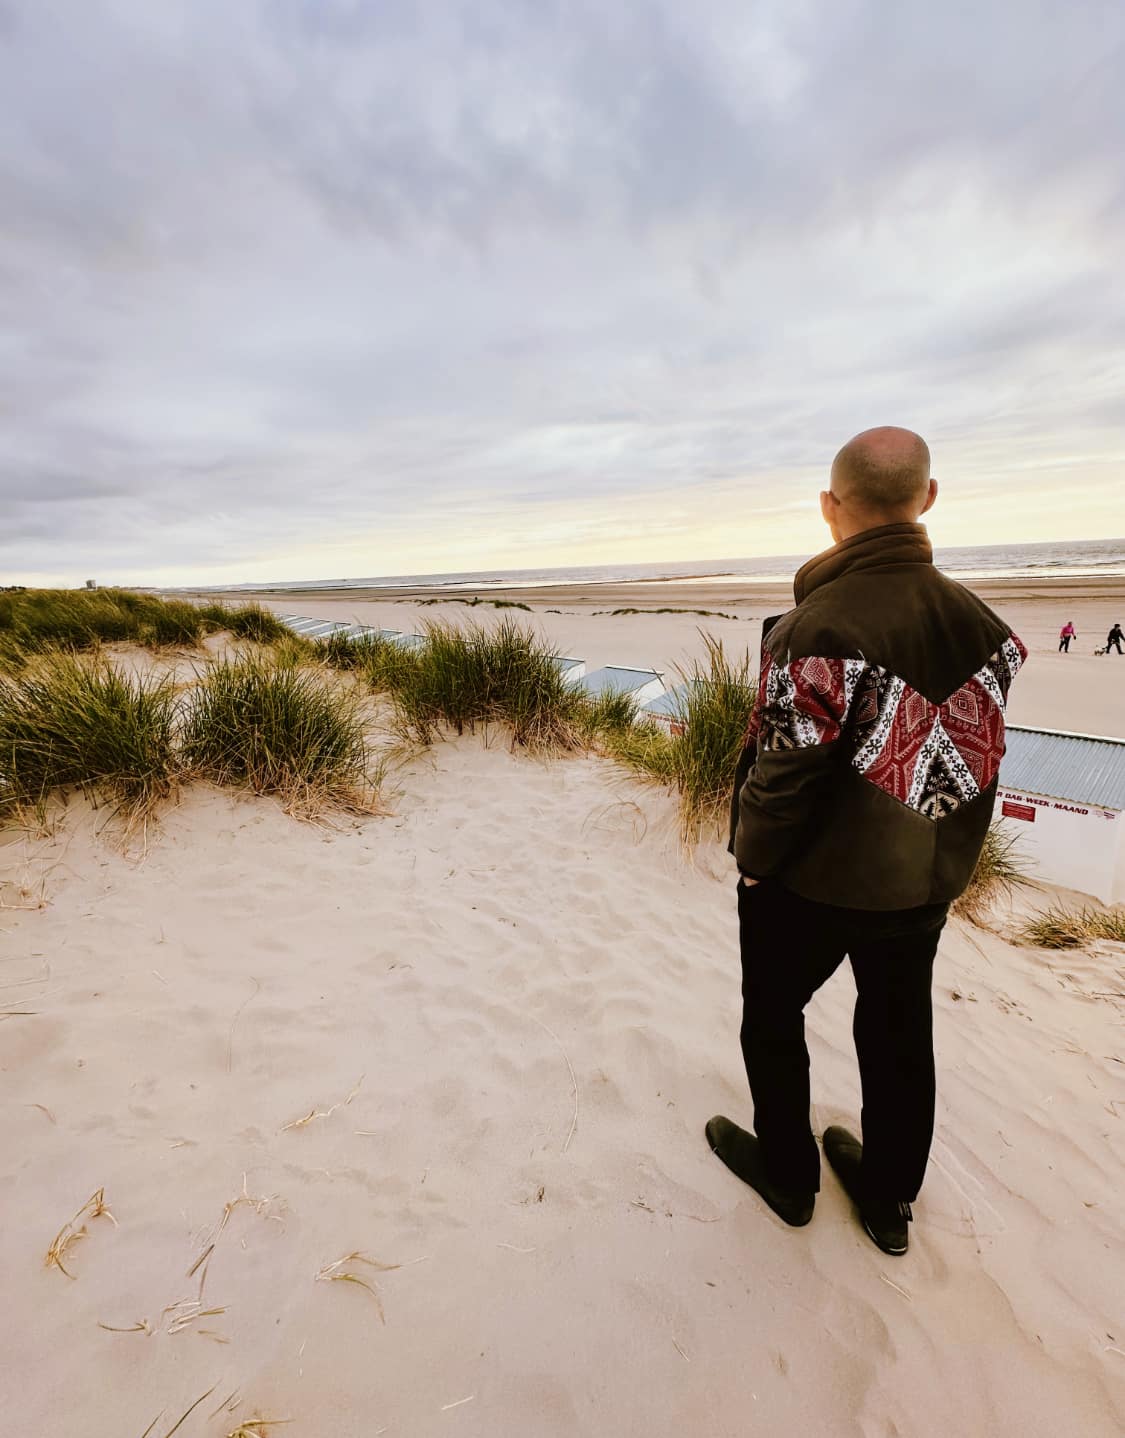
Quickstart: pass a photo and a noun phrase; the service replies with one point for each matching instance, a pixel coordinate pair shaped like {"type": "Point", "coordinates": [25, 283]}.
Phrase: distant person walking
{"type": "Point", "coordinates": [1066, 634]}
{"type": "Point", "coordinates": [1114, 638]}
{"type": "Point", "coordinates": [863, 796]}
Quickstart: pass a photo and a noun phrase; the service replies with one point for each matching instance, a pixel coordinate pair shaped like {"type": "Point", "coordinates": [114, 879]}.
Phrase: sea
{"type": "Point", "coordinates": [1070, 559]}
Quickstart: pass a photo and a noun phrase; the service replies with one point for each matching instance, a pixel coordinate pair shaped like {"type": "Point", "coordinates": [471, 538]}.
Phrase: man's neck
{"type": "Point", "coordinates": [850, 528]}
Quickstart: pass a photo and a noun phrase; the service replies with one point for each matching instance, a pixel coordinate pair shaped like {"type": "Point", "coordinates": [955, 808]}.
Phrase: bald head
{"type": "Point", "coordinates": [882, 476]}
{"type": "Point", "coordinates": [885, 471]}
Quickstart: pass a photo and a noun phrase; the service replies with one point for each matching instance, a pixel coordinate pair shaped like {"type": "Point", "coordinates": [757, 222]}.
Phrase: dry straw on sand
{"type": "Point", "coordinates": [75, 1230]}
{"type": "Point", "coordinates": [315, 1113]}
{"type": "Point", "coordinates": [338, 1272]}
{"type": "Point", "coordinates": [179, 1423]}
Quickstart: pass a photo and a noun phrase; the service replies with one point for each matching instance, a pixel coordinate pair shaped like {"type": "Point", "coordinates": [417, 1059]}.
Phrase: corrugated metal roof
{"type": "Point", "coordinates": [1080, 768]}
{"type": "Point", "coordinates": [318, 628]}
{"type": "Point", "coordinates": [323, 630]}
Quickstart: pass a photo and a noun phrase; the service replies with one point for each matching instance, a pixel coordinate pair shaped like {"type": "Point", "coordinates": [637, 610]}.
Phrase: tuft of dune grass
{"type": "Point", "coordinates": [276, 729]}
{"type": "Point", "coordinates": [245, 621]}
{"type": "Point", "coordinates": [1061, 928]}
{"type": "Point", "coordinates": [73, 721]}
{"type": "Point", "coordinates": [351, 651]}
{"type": "Point", "coordinates": [610, 719]}
{"type": "Point", "coordinates": [38, 621]}
{"type": "Point", "coordinates": [13, 656]}
{"type": "Point", "coordinates": [1000, 869]}
{"type": "Point", "coordinates": [700, 761]}
{"type": "Point", "coordinates": [460, 677]}
{"type": "Point", "coordinates": [168, 623]}
{"type": "Point", "coordinates": [294, 650]}
{"type": "Point", "coordinates": [476, 601]}
{"type": "Point", "coordinates": [34, 621]}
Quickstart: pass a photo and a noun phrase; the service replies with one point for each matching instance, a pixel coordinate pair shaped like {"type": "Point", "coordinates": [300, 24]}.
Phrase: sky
{"type": "Point", "coordinates": [325, 288]}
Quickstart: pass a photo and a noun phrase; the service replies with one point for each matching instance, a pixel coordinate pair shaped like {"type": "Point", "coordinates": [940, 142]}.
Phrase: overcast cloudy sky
{"type": "Point", "coordinates": [301, 288]}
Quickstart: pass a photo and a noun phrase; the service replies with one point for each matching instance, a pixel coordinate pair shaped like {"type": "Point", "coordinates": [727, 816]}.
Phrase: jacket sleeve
{"type": "Point", "coordinates": [799, 721]}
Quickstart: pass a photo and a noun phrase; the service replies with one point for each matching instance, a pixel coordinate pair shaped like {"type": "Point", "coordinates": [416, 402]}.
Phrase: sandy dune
{"type": "Point", "coordinates": [605, 1277]}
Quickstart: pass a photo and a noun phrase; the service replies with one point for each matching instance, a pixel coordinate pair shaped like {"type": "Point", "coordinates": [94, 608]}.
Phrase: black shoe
{"type": "Point", "coordinates": [884, 1219]}
{"type": "Point", "coordinates": [742, 1154]}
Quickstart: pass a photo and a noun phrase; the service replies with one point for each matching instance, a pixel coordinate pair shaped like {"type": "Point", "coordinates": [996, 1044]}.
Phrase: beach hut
{"type": "Point", "coordinates": [572, 670]}
{"type": "Point", "coordinates": [404, 641]}
{"type": "Point", "coordinates": [667, 708]}
{"type": "Point", "coordinates": [643, 685]}
{"type": "Point", "coordinates": [1064, 794]}
{"type": "Point", "coordinates": [312, 628]}
{"type": "Point", "coordinates": [321, 628]}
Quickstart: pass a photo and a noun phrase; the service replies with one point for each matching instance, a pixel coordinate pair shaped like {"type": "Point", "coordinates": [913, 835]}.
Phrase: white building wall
{"type": "Point", "coordinates": [1078, 846]}
{"type": "Point", "coordinates": [648, 692]}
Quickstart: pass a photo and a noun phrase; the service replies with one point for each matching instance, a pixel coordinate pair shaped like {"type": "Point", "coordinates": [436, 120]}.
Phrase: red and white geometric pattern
{"type": "Point", "coordinates": [931, 757]}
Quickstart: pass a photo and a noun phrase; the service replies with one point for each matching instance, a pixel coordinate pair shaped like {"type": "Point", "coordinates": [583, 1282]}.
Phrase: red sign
{"type": "Point", "coordinates": [1011, 810]}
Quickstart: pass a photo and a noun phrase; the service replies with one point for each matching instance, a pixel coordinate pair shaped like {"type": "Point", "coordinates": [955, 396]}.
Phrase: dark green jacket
{"type": "Point", "coordinates": [869, 773]}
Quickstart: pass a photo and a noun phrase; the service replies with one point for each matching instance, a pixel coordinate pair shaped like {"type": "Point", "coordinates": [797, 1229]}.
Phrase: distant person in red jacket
{"type": "Point", "coordinates": [1066, 634]}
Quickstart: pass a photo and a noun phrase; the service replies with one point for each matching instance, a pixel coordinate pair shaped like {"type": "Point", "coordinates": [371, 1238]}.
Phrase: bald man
{"type": "Point", "coordinates": [863, 797]}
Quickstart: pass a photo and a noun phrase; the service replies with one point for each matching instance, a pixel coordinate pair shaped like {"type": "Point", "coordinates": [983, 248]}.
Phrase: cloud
{"type": "Point", "coordinates": [301, 283]}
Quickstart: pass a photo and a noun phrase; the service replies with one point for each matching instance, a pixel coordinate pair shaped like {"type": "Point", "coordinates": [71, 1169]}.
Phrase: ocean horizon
{"type": "Point", "coordinates": [1066, 559]}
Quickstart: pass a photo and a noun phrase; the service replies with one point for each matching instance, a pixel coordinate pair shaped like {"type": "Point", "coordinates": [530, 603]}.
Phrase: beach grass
{"type": "Point", "coordinates": [1062, 928]}
{"type": "Point", "coordinates": [705, 613]}
{"type": "Point", "coordinates": [33, 621]}
{"type": "Point", "coordinates": [1000, 869]}
{"type": "Point", "coordinates": [350, 651]}
{"type": "Point", "coordinates": [245, 621]}
{"type": "Point", "coordinates": [13, 656]}
{"type": "Point", "coordinates": [73, 721]}
{"type": "Point", "coordinates": [294, 650]}
{"type": "Point", "coordinates": [462, 677]}
{"type": "Point", "coordinates": [476, 601]}
{"type": "Point", "coordinates": [275, 728]}
{"type": "Point", "coordinates": [700, 757]}
{"type": "Point", "coordinates": [607, 719]}
{"type": "Point", "coordinates": [37, 620]}
{"type": "Point", "coordinates": [390, 668]}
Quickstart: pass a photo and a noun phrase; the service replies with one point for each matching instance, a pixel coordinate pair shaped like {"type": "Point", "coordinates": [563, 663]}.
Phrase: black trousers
{"type": "Point", "coordinates": [1064, 644]}
{"type": "Point", "coordinates": [1113, 644]}
{"type": "Point", "coordinates": [790, 946]}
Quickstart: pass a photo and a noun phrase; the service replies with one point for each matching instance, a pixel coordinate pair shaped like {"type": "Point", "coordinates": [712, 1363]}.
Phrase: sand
{"type": "Point", "coordinates": [479, 1038]}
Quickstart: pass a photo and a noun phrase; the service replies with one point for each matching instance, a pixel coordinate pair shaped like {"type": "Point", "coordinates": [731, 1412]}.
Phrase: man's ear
{"type": "Point", "coordinates": [828, 507]}
{"type": "Point", "coordinates": [930, 498]}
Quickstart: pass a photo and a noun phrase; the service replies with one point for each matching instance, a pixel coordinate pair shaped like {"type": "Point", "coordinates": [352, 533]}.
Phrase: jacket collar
{"type": "Point", "coordinates": [889, 544]}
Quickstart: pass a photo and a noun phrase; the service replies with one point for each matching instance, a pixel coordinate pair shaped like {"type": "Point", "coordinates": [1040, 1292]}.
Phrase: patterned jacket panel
{"type": "Point", "coordinates": [931, 757]}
